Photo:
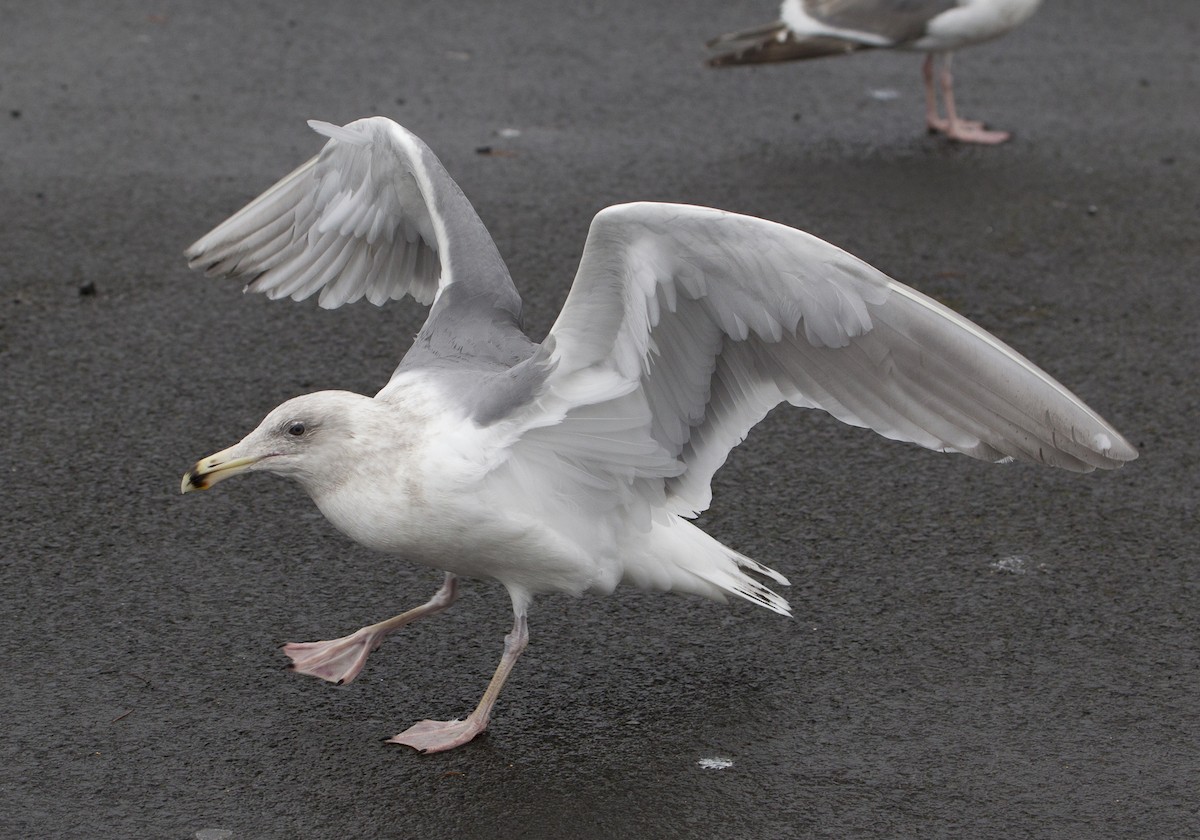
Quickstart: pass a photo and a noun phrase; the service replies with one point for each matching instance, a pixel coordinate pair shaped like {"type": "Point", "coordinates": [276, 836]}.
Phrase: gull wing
{"type": "Point", "coordinates": [816, 28]}
{"type": "Point", "coordinates": [374, 215]}
{"type": "Point", "coordinates": [876, 22]}
{"type": "Point", "coordinates": [686, 325]}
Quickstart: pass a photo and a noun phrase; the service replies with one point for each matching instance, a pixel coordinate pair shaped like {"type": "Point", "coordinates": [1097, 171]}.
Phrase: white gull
{"type": "Point", "coordinates": [572, 465]}
{"type": "Point", "coordinates": [817, 28]}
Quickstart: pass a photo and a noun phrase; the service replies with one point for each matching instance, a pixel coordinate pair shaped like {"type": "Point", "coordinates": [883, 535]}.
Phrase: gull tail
{"type": "Point", "coordinates": [774, 42]}
{"type": "Point", "coordinates": [679, 557]}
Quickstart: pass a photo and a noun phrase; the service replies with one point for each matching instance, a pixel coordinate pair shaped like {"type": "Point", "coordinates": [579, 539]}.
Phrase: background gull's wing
{"type": "Point", "coordinates": [875, 22]}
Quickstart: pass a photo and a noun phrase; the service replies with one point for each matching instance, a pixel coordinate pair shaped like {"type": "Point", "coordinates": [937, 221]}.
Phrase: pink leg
{"type": "Point", "coordinates": [432, 736]}
{"type": "Point", "coordinates": [340, 660]}
{"type": "Point", "coordinates": [964, 131]}
{"type": "Point", "coordinates": [933, 120]}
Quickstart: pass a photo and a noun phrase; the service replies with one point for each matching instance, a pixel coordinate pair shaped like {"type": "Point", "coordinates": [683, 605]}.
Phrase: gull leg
{"type": "Point", "coordinates": [964, 131]}
{"type": "Point", "coordinates": [933, 120]}
{"type": "Point", "coordinates": [340, 660]}
{"type": "Point", "coordinates": [439, 735]}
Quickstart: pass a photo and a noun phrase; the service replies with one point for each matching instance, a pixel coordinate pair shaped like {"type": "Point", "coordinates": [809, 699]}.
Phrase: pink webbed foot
{"type": "Point", "coordinates": [431, 736]}
{"type": "Point", "coordinates": [338, 660]}
{"type": "Point", "coordinates": [940, 125]}
{"type": "Point", "coordinates": [974, 132]}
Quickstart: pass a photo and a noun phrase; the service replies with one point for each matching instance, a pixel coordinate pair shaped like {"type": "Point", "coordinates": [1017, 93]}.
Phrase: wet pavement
{"type": "Point", "coordinates": [978, 650]}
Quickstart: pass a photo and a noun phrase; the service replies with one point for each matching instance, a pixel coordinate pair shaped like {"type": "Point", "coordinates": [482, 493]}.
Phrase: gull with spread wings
{"type": "Point", "coordinates": [573, 465]}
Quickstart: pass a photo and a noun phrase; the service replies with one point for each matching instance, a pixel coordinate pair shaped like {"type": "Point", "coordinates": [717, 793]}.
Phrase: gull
{"type": "Point", "coordinates": [574, 464]}
{"type": "Point", "coordinates": [816, 28]}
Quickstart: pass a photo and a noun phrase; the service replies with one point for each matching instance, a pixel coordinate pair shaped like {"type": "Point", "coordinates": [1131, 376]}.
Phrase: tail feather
{"type": "Point", "coordinates": [679, 557]}
{"type": "Point", "coordinates": [775, 42]}
{"type": "Point", "coordinates": [754, 591]}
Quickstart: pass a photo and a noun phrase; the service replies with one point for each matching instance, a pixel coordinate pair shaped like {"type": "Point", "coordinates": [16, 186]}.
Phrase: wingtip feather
{"type": "Point", "coordinates": [340, 132]}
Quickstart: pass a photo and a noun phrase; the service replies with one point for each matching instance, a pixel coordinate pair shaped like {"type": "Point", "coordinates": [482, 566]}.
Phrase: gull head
{"type": "Point", "coordinates": [306, 438]}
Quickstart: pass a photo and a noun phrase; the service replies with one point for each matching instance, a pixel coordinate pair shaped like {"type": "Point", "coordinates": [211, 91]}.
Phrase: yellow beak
{"type": "Point", "coordinates": [208, 471]}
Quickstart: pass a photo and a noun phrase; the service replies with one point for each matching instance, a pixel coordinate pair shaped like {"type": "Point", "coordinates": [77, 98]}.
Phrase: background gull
{"type": "Point", "coordinates": [817, 28]}
{"type": "Point", "coordinates": [570, 465]}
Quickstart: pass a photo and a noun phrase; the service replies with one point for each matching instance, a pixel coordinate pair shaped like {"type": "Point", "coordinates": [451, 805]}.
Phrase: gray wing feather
{"type": "Point", "coordinates": [896, 21]}
{"type": "Point", "coordinates": [374, 215]}
{"type": "Point", "coordinates": [716, 318]}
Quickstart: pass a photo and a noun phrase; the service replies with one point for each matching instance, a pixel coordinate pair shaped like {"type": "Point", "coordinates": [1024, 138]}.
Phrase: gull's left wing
{"type": "Point", "coordinates": [685, 325]}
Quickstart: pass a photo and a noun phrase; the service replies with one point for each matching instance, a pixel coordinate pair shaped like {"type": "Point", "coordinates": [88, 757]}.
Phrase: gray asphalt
{"type": "Point", "coordinates": [978, 651]}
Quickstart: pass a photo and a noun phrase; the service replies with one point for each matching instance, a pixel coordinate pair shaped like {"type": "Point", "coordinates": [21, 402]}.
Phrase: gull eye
{"type": "Point", "coordinates": [296, 429]}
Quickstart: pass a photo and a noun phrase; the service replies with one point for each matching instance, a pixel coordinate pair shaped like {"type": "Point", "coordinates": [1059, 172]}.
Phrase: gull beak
{"type": "Point", "coordinates": [208, 471]}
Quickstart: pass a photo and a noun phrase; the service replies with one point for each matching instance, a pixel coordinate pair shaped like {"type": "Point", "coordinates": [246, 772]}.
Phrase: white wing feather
{"type": "Point", "coordinates": [685, 325]}
{"type": "Point", "coordinates": [359, 220]}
